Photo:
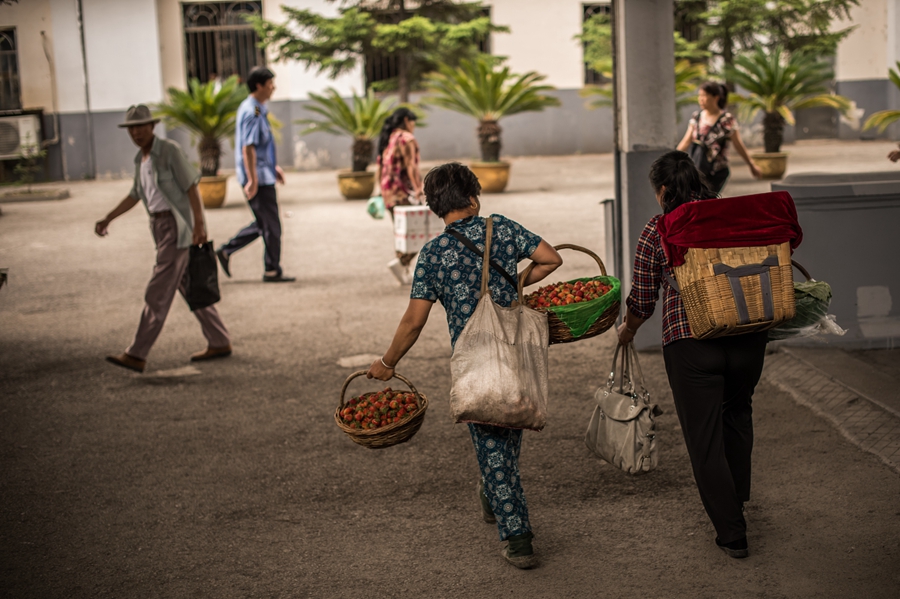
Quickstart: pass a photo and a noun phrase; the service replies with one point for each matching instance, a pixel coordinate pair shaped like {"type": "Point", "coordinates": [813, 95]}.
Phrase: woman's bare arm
{"type": "Point", "coordinates": [546, 259]}
{"type": "Point", "coordinates": [685, 142]}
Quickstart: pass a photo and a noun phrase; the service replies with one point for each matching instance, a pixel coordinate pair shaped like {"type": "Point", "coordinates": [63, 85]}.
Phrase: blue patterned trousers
{"type": "Point", "coordinates": [497, 450]}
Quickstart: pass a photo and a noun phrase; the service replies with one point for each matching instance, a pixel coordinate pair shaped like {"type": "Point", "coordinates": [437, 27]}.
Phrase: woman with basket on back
{"type": "Point", "coordinates": [397, 173]}
{"type": "Point", "coordinates": [712, 380]}
{"type": "Point", "coordinates": [449, 271]}
{"type": "Point", "coordinates": [707, 136]}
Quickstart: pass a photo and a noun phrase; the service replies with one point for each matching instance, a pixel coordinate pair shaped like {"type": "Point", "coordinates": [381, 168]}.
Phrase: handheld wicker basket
{"type": "Point", "coordinates": [730, 291]}
{"type": "Point", "coordinates": [391, 434]}
{"type": "Point", "coordinates": [559, 331]}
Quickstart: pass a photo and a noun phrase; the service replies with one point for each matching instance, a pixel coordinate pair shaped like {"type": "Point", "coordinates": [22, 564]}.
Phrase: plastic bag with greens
{"type": "Point", "coordinates": [812, 318]}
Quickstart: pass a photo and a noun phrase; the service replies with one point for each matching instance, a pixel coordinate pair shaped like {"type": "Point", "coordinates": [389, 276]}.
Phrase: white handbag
{"type": "Point", "coordinates": [622, 429]}
{"type": "Point", "coordinates": [499, 363]}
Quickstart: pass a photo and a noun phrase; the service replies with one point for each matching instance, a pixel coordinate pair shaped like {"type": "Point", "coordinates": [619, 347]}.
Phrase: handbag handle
{"type": "Point", "coordinates": [631, 366]}
{"type": "Point", "coordinates": [802, 270]}
{"type": "Point", "coordinates": [364, 372]}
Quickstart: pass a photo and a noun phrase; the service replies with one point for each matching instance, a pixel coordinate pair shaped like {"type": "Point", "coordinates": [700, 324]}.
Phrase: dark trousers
{"type": "Point", "coordinates": [718, 179]}
{"type": "Point", "coordinates": [712, 383]}
{"type": "Point", "coordinates": [265, 209]}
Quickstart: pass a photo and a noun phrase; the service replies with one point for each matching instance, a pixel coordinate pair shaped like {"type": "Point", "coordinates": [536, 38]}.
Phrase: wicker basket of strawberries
{"type": "Point", "coordinates": [581, 308]}
{"type": "Point", "coordinates": [381, 418]}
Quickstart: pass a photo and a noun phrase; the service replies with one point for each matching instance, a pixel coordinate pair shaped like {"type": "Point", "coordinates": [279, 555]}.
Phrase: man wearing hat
{"type": "Point", "coordinates": [166, 183]}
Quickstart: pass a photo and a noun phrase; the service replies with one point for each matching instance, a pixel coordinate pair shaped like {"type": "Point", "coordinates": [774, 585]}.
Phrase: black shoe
{"type": "Point", "coordinates": [519, 552]}
{"type": "Point", "coordinates": [223, 260]}
{"type": "Point", "coordinates": [278, 279]}
{"type": "Point", "coordinates": [736, 549]}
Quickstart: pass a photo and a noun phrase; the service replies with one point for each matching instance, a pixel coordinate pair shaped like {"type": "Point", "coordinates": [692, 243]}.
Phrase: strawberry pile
{"type": "Point", "coordinates": [564, 294]}
{"type": "Point", "coordinates": [379, 408]}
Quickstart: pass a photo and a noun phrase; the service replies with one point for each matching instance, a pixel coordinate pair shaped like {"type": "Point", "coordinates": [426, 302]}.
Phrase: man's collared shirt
{"type": "Point", "coordinates": [173, 176]}
{"type": "Point", "coordinates": [253, 129]}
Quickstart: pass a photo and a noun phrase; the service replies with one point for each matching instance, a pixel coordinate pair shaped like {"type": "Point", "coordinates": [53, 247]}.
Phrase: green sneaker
{"type": "Point", "coordinates": [486, 512]}
{"type": "Point", "coordinates": [519, 551]}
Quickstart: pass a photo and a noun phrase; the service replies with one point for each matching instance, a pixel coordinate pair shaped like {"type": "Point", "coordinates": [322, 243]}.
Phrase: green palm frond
{"type": "Point", "coordinates": [884, 118]}
{"type": "Point", "coordinates": [488, 92]}
{"type": "Point", "coordinates": [604, 95]}
{"type": "Point", "coordinates": [688, 77]}
{"type": "Point", "coordinates": [361, 120]}
{"type": "Point", "coordinates": [202, 110]}
{"type": "Point", "coordinates": [780, 83]}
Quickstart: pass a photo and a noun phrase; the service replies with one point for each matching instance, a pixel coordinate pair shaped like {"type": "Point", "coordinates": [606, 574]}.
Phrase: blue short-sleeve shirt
{"type": "Point", "coordinates": [253, 129]}
{"type": "Point", "coordinates": [449, 272]}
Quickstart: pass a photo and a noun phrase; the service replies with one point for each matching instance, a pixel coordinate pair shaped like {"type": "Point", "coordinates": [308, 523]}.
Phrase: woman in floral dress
{"type": "Point", "coordinates": [713, 127]}
{"type": "Point", "coordinates": [397, 173]}
{"type": "Point", "coordinates": [448, 272]}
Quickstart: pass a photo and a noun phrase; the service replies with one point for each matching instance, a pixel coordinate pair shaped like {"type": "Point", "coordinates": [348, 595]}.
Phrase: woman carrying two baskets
{"type": "Point", "coordinates": [712, 380]}
{"type": "Point", "coordinates": [450, 272]}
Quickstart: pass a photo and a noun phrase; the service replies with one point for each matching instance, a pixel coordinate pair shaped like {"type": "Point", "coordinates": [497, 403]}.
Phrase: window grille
{"type": "Point", "coordinates": [592, 77]}
{"type": "Point", "coordinates": [219, 41]}
{"type": "Point", "coordinates": [10, 89]}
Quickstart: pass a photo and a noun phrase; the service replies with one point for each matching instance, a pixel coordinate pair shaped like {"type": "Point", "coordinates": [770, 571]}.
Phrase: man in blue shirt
{"type": "Point", "coordinates": [257, 173]}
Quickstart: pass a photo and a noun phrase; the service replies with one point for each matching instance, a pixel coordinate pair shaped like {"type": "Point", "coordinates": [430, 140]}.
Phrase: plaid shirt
{"type": "Point", "coordinates": [649, 262]}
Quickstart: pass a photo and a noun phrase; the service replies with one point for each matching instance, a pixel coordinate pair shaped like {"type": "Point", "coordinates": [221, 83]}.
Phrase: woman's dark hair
{"type": "Point", "coordinates": [258, 76]}
{"type": "Point", "coordinates": [683, 182]}
{"type": "Point", "coordinates": [450, 187]}
{"type": "Point", "coordinates": [395, 121]}
{"type": "Point", "coordinates": [718, 90]}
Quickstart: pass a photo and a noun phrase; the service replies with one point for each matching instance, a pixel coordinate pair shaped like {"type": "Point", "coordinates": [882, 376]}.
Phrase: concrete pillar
{"type": "Point", "coordinates": [645, 112]}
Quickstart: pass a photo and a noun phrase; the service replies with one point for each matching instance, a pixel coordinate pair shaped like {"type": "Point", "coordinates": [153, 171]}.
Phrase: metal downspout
{"type": "Point", "coordinates": [92, 168]}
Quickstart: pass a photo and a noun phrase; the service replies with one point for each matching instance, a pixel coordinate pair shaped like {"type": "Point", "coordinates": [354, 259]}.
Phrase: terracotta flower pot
{"type": "Point", "coordinates": [771, 164]}
{"type": "Point", "coordinates": [356, 186]}
{"type": "Point", "coordinates": [493, 176]}
{"type": "Point", "coordinates": [212, 190]}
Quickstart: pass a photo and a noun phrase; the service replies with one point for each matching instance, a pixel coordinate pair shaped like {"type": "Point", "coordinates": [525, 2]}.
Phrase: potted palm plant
{"type": "Point", "coordinates": [362, 121]}
{"type": "Point", "coordinates": [778, 84]}
{"type": "Point", "coordinates": [884, 118]}
{"type": "Point", "coordinates": [209, 116]}
{"type": "Point", "coordinates": [488, 92]}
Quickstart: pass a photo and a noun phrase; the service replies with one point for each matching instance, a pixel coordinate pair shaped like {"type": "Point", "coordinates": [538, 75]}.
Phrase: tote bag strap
{"type": "Point", "coordinates": [486, 259]}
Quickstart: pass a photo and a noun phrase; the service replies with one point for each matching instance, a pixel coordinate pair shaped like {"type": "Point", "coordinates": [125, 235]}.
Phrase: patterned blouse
{"type": "Point", "coordinates": [649, 262]}
{"type": "Point", "coordinates": [715, 138]}
{"type": "Point", "coordinates": [395, 183]}
{"type": "Point", "coordinates": [449, 272]}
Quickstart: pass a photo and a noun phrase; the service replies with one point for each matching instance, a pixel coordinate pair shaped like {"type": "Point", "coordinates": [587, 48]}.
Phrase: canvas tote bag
{"type": "Point", "coordinates": [622, 429]}
{"type": "Point", "coordinates": [499, 364]}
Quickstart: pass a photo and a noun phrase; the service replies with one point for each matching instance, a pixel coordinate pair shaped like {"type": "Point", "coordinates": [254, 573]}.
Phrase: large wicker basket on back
{"type": "Point", "coordinates": [729, 291]}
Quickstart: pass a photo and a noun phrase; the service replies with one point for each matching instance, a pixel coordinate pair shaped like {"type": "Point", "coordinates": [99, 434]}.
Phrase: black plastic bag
{"type": "Point", "coordinates": [201, 278]}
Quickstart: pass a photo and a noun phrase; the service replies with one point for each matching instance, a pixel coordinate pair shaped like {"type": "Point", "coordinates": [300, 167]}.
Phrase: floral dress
{"type": "Point", "coordinates": [449, 272]}
{"type": "Point", "coordinates": [395, 184]}
{"type": "Point", "coordinates": [715, 138]}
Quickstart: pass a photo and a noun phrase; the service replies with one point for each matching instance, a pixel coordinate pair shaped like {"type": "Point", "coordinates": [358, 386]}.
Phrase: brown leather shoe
{"type": "Point", "coordinates": [211, 352]}
{"type": "Point", "coordinates": [129, 362]}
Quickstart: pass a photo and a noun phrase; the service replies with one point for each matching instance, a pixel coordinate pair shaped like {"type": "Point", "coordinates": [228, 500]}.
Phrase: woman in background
{"type": "Point", "coordinates": [397, 173]}
{"type": "Point", "coordinates": [712, 127]}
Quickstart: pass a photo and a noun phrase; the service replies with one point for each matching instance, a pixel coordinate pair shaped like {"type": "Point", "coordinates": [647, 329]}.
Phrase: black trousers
{"type": "Point", "coordinates": [267, 224]}
{"type": "Point", "coordinates": [712, 382]}
{"type": "Point", "coordinates": [718, 179]}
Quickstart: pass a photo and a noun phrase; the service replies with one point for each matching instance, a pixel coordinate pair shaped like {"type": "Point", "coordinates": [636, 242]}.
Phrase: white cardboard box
{"type": "Point", "coordinates": [414, 226]}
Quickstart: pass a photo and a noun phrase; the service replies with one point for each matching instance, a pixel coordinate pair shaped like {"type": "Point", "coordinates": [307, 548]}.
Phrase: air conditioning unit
{"type": "Point", "coordinates": [19, 135]}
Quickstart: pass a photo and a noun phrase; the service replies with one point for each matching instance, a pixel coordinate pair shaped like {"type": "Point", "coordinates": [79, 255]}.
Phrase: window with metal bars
{"type": "Point", "coordinates": [10, 88]}
{"type": "Point", "coordinates": [218, 41]}
{"type": "Point", "coordinates": [592, 77]}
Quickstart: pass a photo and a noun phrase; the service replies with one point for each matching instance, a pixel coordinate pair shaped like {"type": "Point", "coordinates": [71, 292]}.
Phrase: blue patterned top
{"type": "Point", "coordinates": [449, 272]}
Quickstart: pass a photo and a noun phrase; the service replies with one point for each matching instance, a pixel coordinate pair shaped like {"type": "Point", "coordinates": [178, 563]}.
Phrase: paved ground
{"type": "Point", "coordinates": [230, 479]}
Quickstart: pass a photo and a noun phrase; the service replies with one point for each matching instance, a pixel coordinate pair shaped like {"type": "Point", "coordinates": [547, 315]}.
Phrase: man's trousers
{"type": "Point", "coordinates": [168, 274]}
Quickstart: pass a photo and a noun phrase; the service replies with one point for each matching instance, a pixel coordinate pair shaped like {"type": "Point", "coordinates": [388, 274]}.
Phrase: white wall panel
{"type": "Point", "coordinates": [541, 38]}
{"type": "Point", "coordinates": [863, 54]}
{"type": "Point", "coordinates": [122, 47]}
{"type": "Point", "coordinates": [30, 18]}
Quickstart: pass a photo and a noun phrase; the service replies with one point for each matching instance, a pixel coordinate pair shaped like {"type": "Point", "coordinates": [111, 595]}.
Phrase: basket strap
{"type": "Point", "coordinates": [734, 275]}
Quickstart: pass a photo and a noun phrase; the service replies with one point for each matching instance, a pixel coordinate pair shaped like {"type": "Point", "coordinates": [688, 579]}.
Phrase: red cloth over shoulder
{"type": "Point", "coordinates": [742, 221]}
